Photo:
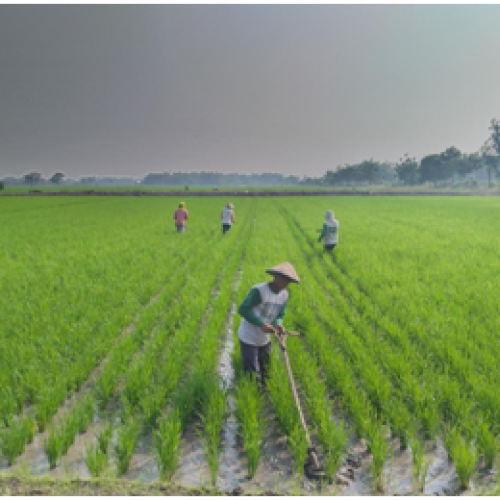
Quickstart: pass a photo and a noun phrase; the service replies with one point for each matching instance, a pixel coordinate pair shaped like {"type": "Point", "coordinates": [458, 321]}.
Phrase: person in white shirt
{"type": "Point", "coordinates": [227, 217]}
{"type": "Point", "coordinates": [262, 313]}
{"type": "Point", "coordinates": [330, 232]}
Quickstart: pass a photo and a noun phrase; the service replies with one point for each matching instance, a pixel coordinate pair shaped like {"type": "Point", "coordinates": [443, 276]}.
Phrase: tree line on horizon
{"type": "Point", "coordinates": [449, 166]}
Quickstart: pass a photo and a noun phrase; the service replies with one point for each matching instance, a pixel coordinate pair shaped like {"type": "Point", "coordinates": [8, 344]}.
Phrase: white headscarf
{"type": "Point", "coordinates": [329, 216]}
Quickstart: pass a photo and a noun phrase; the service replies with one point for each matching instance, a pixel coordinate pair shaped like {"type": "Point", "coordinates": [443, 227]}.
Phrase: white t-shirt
{"type": "Point", "coordinates": [268, 310]}
{"type": "Point", "coordinates": [332, 232]}
{"type": "Point", "coordinates": [226, 216]}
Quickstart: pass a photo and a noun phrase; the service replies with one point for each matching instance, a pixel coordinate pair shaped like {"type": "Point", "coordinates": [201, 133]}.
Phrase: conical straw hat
{"type": "Point", "coordinates": [285, 269]}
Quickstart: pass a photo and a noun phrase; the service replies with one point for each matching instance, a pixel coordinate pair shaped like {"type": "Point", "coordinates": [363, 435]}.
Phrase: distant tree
{"type": "Point", "coordinates": [32, 178]}
{"type": "Point", "coordinates": [495, 135]}
{"type": "Point", "coordinates": [492, 163]}
{"type": "Point", "coordinates": [467, 164]}
{"type": "Point", "coordinates": [450, 154]}
{"type": "Point", "coordinates": [438, 167]}
{"type": "Point", "coordinates": [407, 170]}
{"type": "Point", "coordinates": [490, 150]}
{"type": "Point", "coordinates": [57, 178]}
{"type": "Point", "coordinates": [387, 172]}
{"type": "Point", "coordinates": [369, 171]}
{"type": "Point", "coordinates": [2, 185]}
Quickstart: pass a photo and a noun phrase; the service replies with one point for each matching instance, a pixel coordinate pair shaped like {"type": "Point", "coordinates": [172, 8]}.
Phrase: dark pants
{"type": "Point", "coordinates": [329, 248]}
{"type": "Point", "coordinates": [181, 229]}
{"type": "Point", "coordinates": [256, 360]}
{"type": "Point", "coordinates": [225, 228]}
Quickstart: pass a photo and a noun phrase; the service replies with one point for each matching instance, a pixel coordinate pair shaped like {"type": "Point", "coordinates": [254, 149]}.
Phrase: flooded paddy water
{"type": "Point", "coordinates": [276, 472]}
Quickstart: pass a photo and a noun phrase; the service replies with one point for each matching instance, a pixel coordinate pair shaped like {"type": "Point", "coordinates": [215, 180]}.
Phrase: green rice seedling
{"type": "Point", "coordinates": [104, 437]}
{"type": "Point", "coordinates": [7, 405]}
{"type": "Point", "coordinates": [138, 379]}
{"type": "Point", "coordinates": [125, 444]}
{"type": "Point", "coordinates": [212, 419]}
{"type": "Point", "coordinates": [400, 422]}
{"type": "Point", "coordinates": [106, 383]}
{"type": "Point", "coordinates": [152, 405]}
{"type": "Point", "coordinates": [126, 410]}
{"type": "Point", "coordinates": [298, 444]}
{"type": "Point", "coordinates": [53, 445]}
{"type": "Point", "coordinates": [48, 404]}
{"type": "Point", "coordinates": [14, 438]}
{"type": "Point", "coordinates": [280, 396]}
{"type": "Point", "coordinates": [68, 431]}
{"type": "Point", "coordinates": [420, 465]}
{"type": "Point", "coordinates": [166, 442]}
{"type": "Point", "coordinates": [334, 440]}
{"type": "Point", "coordinates": [237, 363]}
{"type": "Point", "coordinates": [44, 412]}
{"type": "Point", "coordinates": [95, 460]}
{"type": "Point", "coordinates": [464, 456]}
{"type": "Point", "coordinates": [30, 428]}
{"type": "Point", "coordinates": [84, 413]}
{"type": "Point", "coordinates": [429, 418]}
{"type": "Point", "coordinates": [379, 448]}
{"type": "Point", "coordinates": [487, 444]}
{"type": "Point", "coordinates": [249, 414]}
{"type": "Point", "coordinates": [191, 395]}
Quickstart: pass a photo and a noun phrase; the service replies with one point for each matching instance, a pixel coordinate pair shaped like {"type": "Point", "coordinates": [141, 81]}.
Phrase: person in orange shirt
{"type": "Point", "coordinates": [181, 215]}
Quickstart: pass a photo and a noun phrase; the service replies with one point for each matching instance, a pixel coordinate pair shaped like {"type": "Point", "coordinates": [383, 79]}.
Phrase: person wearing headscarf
{"type": "Point", "coordinates": [330, 231]}
{"type": "Point", "coordinates": [181, 215]}
{"type": "Point", "coordinates": [227, 217]}
{"type": "Point", "coordinates": [262, 311]}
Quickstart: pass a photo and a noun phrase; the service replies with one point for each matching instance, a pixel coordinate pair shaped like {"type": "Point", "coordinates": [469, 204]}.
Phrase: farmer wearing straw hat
{"type": "Point", "coordinates": [330, 232]}
{"type": "Point", "coordinates": [181, 215]}
{"type": "Point", "coordinates": [227, 217]}
{"type": "Point", "coordinates": [262, 313]}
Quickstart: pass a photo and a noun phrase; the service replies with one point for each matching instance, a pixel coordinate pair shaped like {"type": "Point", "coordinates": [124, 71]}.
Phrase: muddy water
{"type": "Point", "coordinates": [276, 468]}
{"type": "Point", "coordinates": [441, 477]}
{"type": "Point", "coordinates": [231, 466]}
{"type": "Point", "coordinates": [143, 466]}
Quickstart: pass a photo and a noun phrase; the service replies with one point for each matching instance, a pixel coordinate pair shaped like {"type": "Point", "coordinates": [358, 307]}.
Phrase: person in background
{"type": "Point", "coordinates": [262, 313]}
{"type": "Point", "coordinates": [227, 217]}
{"type": "Point", "coordinates": [330, 232]}
{"type": "Point", "coordinates": [181, 215]}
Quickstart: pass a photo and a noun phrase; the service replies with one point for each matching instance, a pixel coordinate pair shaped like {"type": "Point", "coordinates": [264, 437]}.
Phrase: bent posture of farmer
{"type": "Point", "coordinates": [262, 313]}
{"type": "Point", "coordinates": [181, 215]}
{"type": "Point", "coordinates": [330, 232]}
{"type": "Point", "coordinates": [227, 217]}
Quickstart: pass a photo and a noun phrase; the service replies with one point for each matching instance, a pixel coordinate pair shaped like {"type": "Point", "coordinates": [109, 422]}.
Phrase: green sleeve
{"type": "Point", "coordinates": [279, 319]}
{"type": "Point", "coordinates": [251, 300]}
{"type": "Point", "coordinates": [323, 233]}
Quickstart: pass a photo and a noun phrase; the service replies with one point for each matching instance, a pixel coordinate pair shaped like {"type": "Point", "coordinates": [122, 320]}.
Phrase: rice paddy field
{"type": "Point", "coordinates": [119, 356]}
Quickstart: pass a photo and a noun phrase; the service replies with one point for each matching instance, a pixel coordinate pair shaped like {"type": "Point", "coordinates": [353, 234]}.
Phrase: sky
{"type": "Point", "coordinates": [123, 90]}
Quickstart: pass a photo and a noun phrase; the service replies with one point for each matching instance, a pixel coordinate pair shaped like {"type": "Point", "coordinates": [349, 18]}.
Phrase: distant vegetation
{"type": "Point", "coordinates": [449, 168]}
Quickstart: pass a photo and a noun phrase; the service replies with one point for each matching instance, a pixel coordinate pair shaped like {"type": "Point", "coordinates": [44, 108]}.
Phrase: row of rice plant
{"type": "Point", "coordinates": [202, 393]}
{"type": "Point", "coordinates": [454, 405]}
{"type": "Point", "coordinates": [263, 253]}
{"type": "Point", "coordinates": [56, 283]}
{"type": "Point", "coordinates": [169, 367]}
{"type": "Point", "coordinates": [106, 380]}
{"type": "Point", "coordinates": [342, 373]}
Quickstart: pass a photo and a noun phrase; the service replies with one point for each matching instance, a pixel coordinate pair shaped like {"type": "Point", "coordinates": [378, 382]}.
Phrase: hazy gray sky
{"type": "Point", "coordinates": [126, 90]}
